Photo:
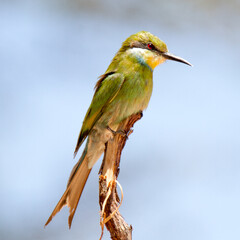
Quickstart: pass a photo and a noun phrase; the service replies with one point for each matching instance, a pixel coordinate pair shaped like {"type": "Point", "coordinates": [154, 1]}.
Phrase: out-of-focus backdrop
{"type": "Point", "coordinates": [180, 169]}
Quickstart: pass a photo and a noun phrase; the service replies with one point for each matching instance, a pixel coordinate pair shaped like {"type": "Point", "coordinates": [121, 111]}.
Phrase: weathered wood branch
{"type": "Point", "coordinates": [109, 171]}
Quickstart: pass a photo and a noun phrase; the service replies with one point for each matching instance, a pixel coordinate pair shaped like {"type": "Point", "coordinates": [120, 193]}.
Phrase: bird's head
{"type": "Point", "coordinates": [148, 49]}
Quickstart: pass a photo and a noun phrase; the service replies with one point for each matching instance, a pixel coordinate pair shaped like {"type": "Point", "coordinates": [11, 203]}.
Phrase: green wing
{"type": "Point", "coordinates": [106, 89]}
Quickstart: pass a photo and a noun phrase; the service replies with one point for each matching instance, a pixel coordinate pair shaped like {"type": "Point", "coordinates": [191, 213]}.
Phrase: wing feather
{"type": "Point", "coordinates": [107, 88]}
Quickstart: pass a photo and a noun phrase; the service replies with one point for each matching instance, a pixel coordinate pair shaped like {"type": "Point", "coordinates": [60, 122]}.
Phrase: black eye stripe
{"type": "Point", "coordinates": [148, 46]}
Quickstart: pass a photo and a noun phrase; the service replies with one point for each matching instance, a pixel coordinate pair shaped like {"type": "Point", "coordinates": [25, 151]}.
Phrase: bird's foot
{"type": "Point", "coordinates": [121, 132]}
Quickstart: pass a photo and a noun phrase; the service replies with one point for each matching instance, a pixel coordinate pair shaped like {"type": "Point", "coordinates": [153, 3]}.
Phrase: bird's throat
{"type": "Point", "coordinates": [146, 57]}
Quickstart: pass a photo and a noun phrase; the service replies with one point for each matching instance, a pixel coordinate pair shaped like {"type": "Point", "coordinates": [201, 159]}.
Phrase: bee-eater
{"type": "Point", "coordinates": [123, 90]}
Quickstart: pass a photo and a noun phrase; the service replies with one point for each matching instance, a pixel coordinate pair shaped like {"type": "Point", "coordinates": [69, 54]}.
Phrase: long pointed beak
{"type": "Point", "coordinates": [170, 56]}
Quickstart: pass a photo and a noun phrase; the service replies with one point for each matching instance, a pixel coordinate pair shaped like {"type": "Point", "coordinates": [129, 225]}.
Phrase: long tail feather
{"type": "Point", "coordinates": [76, 183]}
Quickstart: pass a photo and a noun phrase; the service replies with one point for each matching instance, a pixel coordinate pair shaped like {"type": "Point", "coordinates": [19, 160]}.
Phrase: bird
{"type": "Point", "coordinates": [123, 90]}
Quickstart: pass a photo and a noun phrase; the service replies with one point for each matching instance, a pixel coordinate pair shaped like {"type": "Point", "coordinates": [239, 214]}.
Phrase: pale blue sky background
{"type": "Point", "coordinates": [180, 169]}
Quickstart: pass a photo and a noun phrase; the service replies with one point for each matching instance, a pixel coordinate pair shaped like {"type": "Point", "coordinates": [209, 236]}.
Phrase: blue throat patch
{"type": "Point", "coordinates": [141, 61]}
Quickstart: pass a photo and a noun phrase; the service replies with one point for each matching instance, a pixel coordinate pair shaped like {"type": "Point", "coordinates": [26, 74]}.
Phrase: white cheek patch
{"type": "Point", "coordinates": [141, 55]}
{"type": "Point", "coordinates": [146, 57]}
{"type": "Point", "coordinates": [138, 52]}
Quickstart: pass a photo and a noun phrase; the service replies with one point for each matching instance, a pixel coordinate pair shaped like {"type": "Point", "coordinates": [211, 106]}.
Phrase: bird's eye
{"type": "Point", "coordinates": [150, 46]}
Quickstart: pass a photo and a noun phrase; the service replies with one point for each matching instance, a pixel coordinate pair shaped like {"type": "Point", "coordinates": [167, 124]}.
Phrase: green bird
{"type": "Point", "coordinates": [123, 90]}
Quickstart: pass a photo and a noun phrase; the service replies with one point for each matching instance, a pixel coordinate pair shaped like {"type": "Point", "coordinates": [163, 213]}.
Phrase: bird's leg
{"type": "Point", "coordinates": [121, 132]}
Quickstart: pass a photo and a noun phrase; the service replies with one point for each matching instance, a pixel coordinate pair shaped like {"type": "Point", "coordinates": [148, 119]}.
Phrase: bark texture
{"type": "Point", "coordinates": [108, 197]}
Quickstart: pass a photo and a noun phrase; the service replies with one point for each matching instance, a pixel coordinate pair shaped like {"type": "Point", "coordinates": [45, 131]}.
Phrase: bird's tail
{"type": "Point", "coordinates": [76, 183]}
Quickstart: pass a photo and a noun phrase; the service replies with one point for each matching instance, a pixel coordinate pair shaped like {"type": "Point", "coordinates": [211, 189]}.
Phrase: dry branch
{"type": "Point", "coordinates": [109, 171]}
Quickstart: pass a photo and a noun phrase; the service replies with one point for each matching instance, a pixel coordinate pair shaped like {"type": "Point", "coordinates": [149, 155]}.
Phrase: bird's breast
{"type": "Point", "coordinates": [133, 97]}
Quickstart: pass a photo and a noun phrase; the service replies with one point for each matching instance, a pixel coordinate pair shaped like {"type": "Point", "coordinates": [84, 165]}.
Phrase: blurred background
{"type": "Point", "coordinates": [180, 169]}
